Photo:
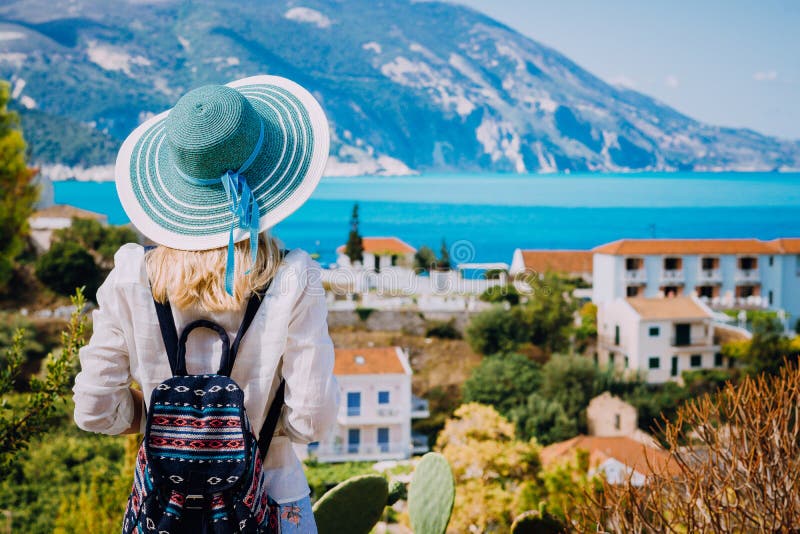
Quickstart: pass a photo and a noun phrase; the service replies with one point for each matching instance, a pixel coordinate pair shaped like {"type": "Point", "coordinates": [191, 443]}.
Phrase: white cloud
{"type": "Point", "coordinates": [765, 76]}
{"type": "Point", "coordinates": [11, 36]}
{"type": "Point", "coordinates": [311, 16]}
{"type": "Point", "coordinates": [672, 81]}
{"type": "Point", "coordinates": [622, 81]}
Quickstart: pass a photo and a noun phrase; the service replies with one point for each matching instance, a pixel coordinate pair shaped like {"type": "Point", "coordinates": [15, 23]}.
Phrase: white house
{"type": "Point", "coordinates": [45, 221]}
{"type": "Point", "coordinates": [381, 253]}
{"type": "Point", "coordinates": [374, 421]}
{"type": "Point", "coordinates": [660, 337]}
{"type": "Point", "coordinates": [574, 263]}
{"type": "Point", "coordinates": [724, 273]}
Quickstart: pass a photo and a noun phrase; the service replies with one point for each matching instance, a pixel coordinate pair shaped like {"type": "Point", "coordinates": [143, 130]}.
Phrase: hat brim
{"type": "Point", "coordinates": [173, 212]}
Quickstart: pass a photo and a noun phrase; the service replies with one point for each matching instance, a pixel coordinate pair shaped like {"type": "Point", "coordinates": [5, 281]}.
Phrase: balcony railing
{"type": "Point", "coordinates": [634, 276]}
{"type": "Point", "coordinates": [747, 275]}
{"type": "Point", "coordinates": [709, 275]}
{"type": "Point", "coordinates": [608, 341]}
{"type": "Point", "coordinates": [419, 407]}
{"type": "Point", "coordinates": [672, 275]}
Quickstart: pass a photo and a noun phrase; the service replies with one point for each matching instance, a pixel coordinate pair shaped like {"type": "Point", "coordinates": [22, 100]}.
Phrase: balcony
{"type": "Point", "coordinates": [672, 276]}
{"type": "Point", "coordinates": [370, 415]}
{"type": "Point", "coordinates": [709, 275]}
{"type": "Point", "coordinates": [694, 344]}
{"type": "Point", "coordinates": [419, 408]}
{"type": "Point", "coordinates": [638, 276]}
{"type": "Point", "coordinates": [747, 275]}
{"type": "Point", "coordinates": [419, 443]}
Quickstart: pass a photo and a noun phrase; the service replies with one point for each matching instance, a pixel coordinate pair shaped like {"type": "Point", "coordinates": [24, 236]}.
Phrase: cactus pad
{"type": "Point", "coordinates": [431, 495]}
{"type": "Point", "coordinates": [353, 506]}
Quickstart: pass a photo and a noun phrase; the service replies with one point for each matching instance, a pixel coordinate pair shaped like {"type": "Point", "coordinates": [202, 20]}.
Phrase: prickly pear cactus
{"type": "Point", "coordinates": [397, 491]}
{"type": "Point", "coordinates": [431, 495]}
{"type": "Point", "coordinates": [353, 506]}
{"type": "Point", "coordinates": [536, 522]}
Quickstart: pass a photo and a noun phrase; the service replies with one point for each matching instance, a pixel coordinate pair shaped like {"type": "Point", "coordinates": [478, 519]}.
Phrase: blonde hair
{"type": "Point", "coordinates": [196, 278]}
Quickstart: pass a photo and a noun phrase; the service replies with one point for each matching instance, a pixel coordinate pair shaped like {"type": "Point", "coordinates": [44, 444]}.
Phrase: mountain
{"type": "Point", "coordinates": [408, 86]}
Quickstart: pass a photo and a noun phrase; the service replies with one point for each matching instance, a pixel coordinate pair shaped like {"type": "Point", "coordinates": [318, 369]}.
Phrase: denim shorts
{"type": "Point", "coordinates": [297, 517]}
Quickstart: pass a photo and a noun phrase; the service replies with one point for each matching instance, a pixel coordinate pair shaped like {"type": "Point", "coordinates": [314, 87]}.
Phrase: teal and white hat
{"type": "Point", "coordinates": [227, 162]}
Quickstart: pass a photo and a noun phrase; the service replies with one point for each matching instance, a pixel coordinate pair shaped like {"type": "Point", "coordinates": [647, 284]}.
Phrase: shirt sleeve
{"type": "Point", "coordinates": [103, 401]}
{"type": "Point", "coordinates": [312, 393]}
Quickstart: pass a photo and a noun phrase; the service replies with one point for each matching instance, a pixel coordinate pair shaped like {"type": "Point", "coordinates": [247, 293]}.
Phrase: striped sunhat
{"type": "Point", "coordinates": [227, 162]}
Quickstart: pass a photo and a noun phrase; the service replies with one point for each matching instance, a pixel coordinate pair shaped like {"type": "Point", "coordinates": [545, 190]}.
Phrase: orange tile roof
{"type": "Point", "coordinates": [561, 261]}
{"type": "Point", "coordinates": [668, 308]}
{"type": "Point", "coordinates": [67, 212]}
{"type": "Point", "coordinates": [687, 246]}
{"type": "Point", "coordinates": [384, 245]}
{"type": "Point", "coordinates": [644, 459]}
{"type": "Point", "coordinates": [368, 361]}
{"type": "Point", "coordinates": [787, 245]}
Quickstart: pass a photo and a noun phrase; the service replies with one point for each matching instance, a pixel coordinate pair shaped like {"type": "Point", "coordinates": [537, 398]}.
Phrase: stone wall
{"type": "Point", "coordinates": [412, 322]}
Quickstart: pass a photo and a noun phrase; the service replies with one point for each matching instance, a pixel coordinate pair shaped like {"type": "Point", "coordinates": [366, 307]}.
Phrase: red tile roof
{"type": "Point", "coordinates": [687, 246]}
{"type": "Point", "coordinates": [383, 245]}
{"type": "Point", "coordinates": [646, 460]}
{"type": "Point", "coordinates": [668, 308]}
{"type": "Point", "coordinates": [787, 245]}
{"type": "Point", "coordinates": [561, 261]}
{"type": "Point", "coordinates": [368, 361]}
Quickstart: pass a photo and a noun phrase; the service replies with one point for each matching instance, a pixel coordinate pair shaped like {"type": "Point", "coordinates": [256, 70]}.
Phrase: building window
{"type": "Point", "coordinates": [632, 291]}
{"type": "Point", "coordinates": [672, 264]}
{"type": "Point", "coordinates": [655, 331]}
{"type": "Point", "coordinates": [611, 357]}
{"type": "Point", "coordinates": [706, 291]}
{"type": "Point", "coordinates": [683, 335]}
{"type": "Point", "coordinates": [673, 370]}
{"type": "Point", "coordinates": [383, 397]}
{"type": "Point", "coordinates": [718, 359]}
{"type": "Point", "coordinates": [353, 403]}
{"type": "Point", "coordinates": [771, 260]}
{"type": "Point", "coordinates": [672, 291]}
{"type": "Point", "coordinates": [708, 264]}
{"type": "Point", "coordinates": [353, 440]}
{"type": "Point", "coordinates": [696, 360]}
{"type": "Point", "coordinates": [747, 291]}
{"type": "Point", "coordinates": [616, 335]}
{"type": "Point", "coordinates": [627, 362]}
{"type": "Point", "coordinates": [797, 265]}
{"type": "Point", "coordinates": [383, 439]}
{"type": "Point", "coordinates": [769, 297]}
{"type": "Point", "coordinates": [617, 421]}
{"type": "Point", "coordinates": [654, 362]}
{"type": "Point", "coordinates": [633, 264]}
{"type": "Point", "coordinates": [747, 263]}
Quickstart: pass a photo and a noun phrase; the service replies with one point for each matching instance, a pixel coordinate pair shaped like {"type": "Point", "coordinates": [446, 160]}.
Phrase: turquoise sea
{"type": "Point", "coordinates": [491, 215]}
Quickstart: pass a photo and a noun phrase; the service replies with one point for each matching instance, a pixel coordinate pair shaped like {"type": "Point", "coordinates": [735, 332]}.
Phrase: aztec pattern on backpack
{"type": "Point", "coordinates": [199, 454]}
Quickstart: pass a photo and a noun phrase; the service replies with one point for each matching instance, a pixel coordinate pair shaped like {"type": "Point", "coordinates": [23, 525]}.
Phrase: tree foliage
{"type": "Point", "coordinates": [67, 266]}
{"type": "Point", "coordinates": [424, 259]}
{"type": "Point", "coordinates": [18, 194]}
{"type": "Point", "coordinates": [490, 466]}
{"type": "Point", "coordinates": [504, 381]}
{"type": "Point", "coordinates": [100, 240]}
{"type": "Point", "coordinates": [354, 248]}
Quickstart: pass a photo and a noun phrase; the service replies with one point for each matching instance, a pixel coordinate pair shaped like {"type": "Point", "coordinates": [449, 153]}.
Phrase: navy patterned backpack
{"type": "Point", "coordinates": [198, 469]}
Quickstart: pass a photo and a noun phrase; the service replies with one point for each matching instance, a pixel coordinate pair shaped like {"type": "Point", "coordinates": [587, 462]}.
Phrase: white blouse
{"type": "Point", "coordinates": [288, 338]}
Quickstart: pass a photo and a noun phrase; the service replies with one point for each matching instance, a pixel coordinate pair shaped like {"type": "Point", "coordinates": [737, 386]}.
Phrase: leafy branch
{"type": "Point", "coordinates": [20, 420]}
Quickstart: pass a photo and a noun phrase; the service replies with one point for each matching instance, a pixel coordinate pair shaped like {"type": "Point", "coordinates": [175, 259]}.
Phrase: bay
{"type": "Point", "coordinates": [485, 217]}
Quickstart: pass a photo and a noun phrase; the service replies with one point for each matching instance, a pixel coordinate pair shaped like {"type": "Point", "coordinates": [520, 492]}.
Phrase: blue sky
{"type": "Point", "coordinates": [726, 62]}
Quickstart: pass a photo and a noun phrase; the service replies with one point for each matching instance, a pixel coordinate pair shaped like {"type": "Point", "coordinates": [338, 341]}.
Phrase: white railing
{"type": "Point", "coordinates": [709, 275]}
{"type": "Point", "coordinates": [639, 275]}
{"type": "Point", "coordinates": [747, 275]}
{"type": "Point", "coordinates": [357, 450]}
{"type": "Point", "coordinates": [672, 275]}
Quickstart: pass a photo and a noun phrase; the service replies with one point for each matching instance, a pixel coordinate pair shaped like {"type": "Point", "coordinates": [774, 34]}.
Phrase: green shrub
{"type": "Point", "coordinates": [67, 266]}
{"type": "Point", "coordinates": [443, 330]}
{"type": "Point", "coordinates": [501, 293]}
{"type": "Point", "coordinates": [364, 313]}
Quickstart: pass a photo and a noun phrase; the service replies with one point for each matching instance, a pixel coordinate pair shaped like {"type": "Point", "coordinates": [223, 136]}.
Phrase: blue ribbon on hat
{"type": "Point", "coordinates": [243, 206]}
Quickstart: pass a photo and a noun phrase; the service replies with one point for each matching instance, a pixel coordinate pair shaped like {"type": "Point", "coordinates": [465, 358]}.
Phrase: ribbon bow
{"type": "Point", "coordinates": [243, 206]}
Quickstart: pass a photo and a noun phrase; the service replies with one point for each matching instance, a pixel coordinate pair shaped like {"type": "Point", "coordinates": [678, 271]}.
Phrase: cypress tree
{"type": "Point", "coordinates": [354, 249]}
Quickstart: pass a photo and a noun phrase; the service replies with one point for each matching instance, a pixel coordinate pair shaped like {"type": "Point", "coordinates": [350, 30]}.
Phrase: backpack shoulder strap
{"type": "Point", "coordinates": [169, 333]}
{"type": "Point", "coordinates": [271, 421]}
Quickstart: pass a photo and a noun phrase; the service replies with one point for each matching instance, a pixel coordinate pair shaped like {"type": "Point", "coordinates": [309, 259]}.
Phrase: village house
{"type": "Point", "coordinates": [377, 407]}
{"type": "Point", "coordinates": [45, 221]}
{"type": "Point", "coordinates": [724, 273]}
{"type": "Point", "coordinates": [615, 445]}
{"type": "Point", "coordinates": [380, 253]}
{"type": "Point", "coordinates": [660, 337]}
{"type": "Point", "coordinates": [573, 263]}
